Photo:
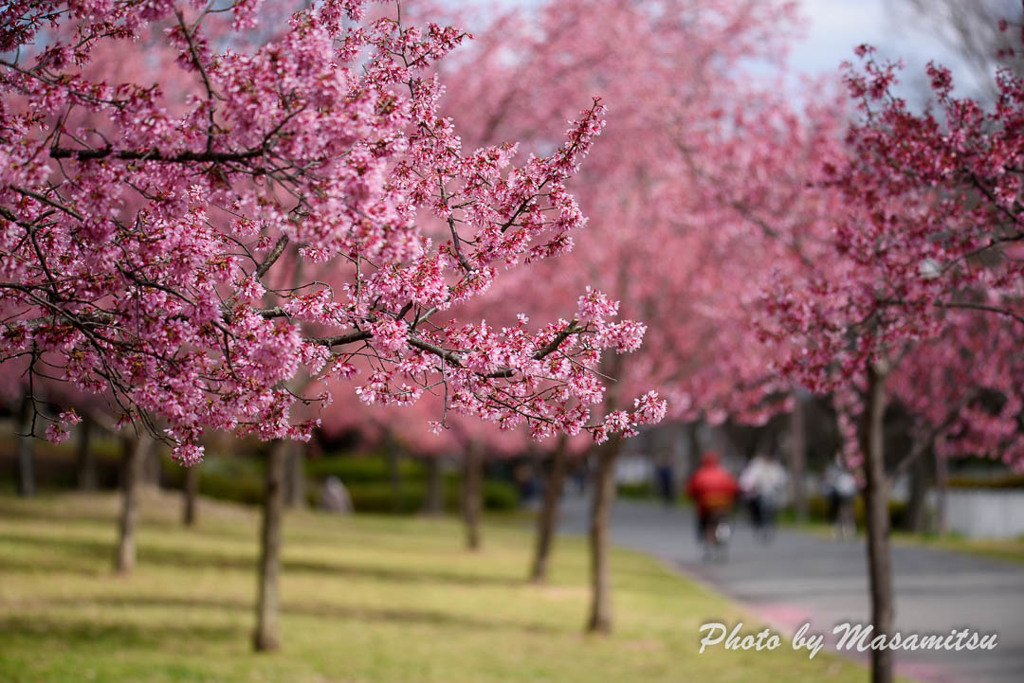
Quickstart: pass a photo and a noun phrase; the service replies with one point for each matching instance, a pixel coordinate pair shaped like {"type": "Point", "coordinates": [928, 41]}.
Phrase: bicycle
{"type": "Point", "coordinates": [717, 532]}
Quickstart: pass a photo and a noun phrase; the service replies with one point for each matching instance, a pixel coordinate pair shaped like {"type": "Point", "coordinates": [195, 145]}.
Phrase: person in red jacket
{"type": "Point", "coordinates": [714, 490]}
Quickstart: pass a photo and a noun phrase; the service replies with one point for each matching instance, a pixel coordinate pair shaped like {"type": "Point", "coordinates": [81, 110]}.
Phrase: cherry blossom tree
{"type": "Point", "coordinates": [964, 392]}
{"type": "Point", "coordinates": [929, 229]}
{"type": "Point", "coordinates": [270, 206]}
{"type": "Point", "coordinates": [143, 256]}
{"type": "Point", "coordinates": [698, 156]}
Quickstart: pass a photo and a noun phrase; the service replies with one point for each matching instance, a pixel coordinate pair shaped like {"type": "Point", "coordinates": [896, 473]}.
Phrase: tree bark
{"type": "Point", "coordinates": [798, 455]}
{"type": "Point", "coordinates": [135, 453]}
{"type": "Point", "coordinates": [190, 494]}
{"type": "Point", "coordinates": [26, 450]}
{"type": "Point", "coordinates": [547, 521]}
{"type": "Point", "coordinates": [266, 637]}
{"type": "Point", "coordinates": [915, 519]}
{"type": "Point", "coordinates": [472, 493]}
{"type": "Point", "coordinates": [295, 490]}
{"type": "Point", "coordinates": [941, 489]}
{"type": "Point", "coordinates": [86, 461]}
{"type": "Point", "coordinates": [433, 505]}
{"type": "Point", "coordinates": [600, 620]}
{"type": "Point", "coordinates": [876, 500]}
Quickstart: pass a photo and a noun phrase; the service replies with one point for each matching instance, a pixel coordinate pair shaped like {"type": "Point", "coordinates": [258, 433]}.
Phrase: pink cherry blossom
{"type": "Point", "coordinates": [197, 232]}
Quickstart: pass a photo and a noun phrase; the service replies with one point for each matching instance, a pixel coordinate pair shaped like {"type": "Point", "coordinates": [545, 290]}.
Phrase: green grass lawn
{"type": "Point", "coordinates": [364, 599]}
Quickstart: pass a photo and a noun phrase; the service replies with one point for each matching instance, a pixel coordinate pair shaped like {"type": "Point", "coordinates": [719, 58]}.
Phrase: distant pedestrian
{"type": "Point", "coordinates": [335, 496]}
{"type": "Point", "coordinates": [526, 482]}
{"type": "Point", "coordinates": [840, 489]}
{"type": "Point", "coordinates": [764, 483]}
{"type": "Point", "coordinates": [665, 479]}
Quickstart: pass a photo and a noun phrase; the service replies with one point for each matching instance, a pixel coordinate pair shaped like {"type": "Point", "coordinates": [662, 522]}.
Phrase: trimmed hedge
{"type": "Point", "coordinates": [240, 479]}
{"type": "Point", "coordinates": [642, 491]}
{"type": "Point", "coordinates": [1010, 480]}
{"type": "Point", "coordinates": [379, 496]}
{"type": "Point", "coordinates": [368, 469]}
{"type": "Point", "coordinates": [232, 478]}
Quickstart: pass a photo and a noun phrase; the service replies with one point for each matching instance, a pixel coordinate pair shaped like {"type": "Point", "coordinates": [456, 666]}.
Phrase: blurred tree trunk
{"type": "Point", "coordinates": [266, 637]}
{"type": "Point", "coordinates": [876, 501]}
{"type": "Point", "coordinates": [472, 493]}
{"type": "Point", "coordinates": [547, 521]}
{"type": "Point", "coordinates": [916, 518]}
{"type": "Point", "coordinates": [600, 620]}
{"type": "Point", "coordinates": [86, 461]}
{"type": "Point", "coordinates": [433, 505]}
{"type": "Point", "coordinates": [190, 495]}
{"type": "Point", "coordinates": [295, 488]}
{"type": "Point", "coordinates": [941, 491]}
{"type": "Point", "coordinates": [26, 449]}
{"type": "Point", "coordinates": [135, 452]}
{"type": "Point", "coordinates": [798, 455]}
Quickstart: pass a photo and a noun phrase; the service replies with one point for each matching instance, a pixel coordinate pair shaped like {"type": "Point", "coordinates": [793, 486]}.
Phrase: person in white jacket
{"type": "Point", "coordinates": [764, 483]}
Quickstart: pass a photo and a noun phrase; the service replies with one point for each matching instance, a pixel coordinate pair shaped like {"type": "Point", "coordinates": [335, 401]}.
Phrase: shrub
{"type": "Point", "coordinates": [367, 469]}
{"type": "Point", "coordinates": [640, 491]}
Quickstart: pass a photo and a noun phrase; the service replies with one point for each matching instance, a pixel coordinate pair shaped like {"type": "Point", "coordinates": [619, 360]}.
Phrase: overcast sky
{"type": "Point", "coordinates": [837, 26]}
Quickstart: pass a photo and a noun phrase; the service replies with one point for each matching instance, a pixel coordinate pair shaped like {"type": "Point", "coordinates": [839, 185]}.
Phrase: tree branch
{"type": "Point", "coordinates": [153, 154]}
{"type": "Point", "coordinates": [982, 307]}
{"type": "Point", "coordinates": [922, 445]}
{"type": "Point", "coordinates": [271, 258]}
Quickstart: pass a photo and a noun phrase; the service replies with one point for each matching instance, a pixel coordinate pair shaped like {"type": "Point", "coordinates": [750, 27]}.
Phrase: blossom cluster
{"type": "Point", "coordinates": [920, 270]}
{"type": "Point", "coordinates": [292, 206]}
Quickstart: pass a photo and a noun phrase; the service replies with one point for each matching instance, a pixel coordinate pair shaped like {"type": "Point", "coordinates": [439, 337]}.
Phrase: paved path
{"type": "Point", "coordinates": [803, 578]}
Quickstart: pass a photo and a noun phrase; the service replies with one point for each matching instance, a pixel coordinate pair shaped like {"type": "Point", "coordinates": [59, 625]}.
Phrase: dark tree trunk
{"type": "Point", "coordinates": [434, 503]}
{"type": "Point", "coordinates": [473, 493]}
{"type": "Point", "coordinates": [26, 450]}
{"type": "Point", "coordinates": [798, 455]}
{"type": "Point", "coordinates": [135, 453]}
{"type": "Point", "coordinates": [86, 465]}
{"type": "Point", "coordinates": [941, 490]}
{"type": "Point", "coordinates": [915, 520]}
{"type": "Point", "coordinates": [266, 637]}
{"type": "Point", "coordinates": [600, 620]}
{"type": "Point", "coordinates": [295, 489]}
{"type": "Point", "coordinates": [547, 521]}
{"type": "Point", "coordinates": [876, 500]}
{"type": "Point", "coordinates": [190, 494]}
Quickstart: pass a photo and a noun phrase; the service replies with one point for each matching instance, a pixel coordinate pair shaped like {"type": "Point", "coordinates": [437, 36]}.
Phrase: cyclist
{"type": "Point", "coordinates": [714, 490]}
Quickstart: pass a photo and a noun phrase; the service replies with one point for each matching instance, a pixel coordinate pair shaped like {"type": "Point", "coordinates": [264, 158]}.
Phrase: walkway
{"type": "Point", "coordinates": [804, 578]}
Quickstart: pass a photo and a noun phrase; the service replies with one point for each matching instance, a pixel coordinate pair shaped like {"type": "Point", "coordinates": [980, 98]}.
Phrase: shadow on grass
{"type": "Point", "coordinates": [12, 508]}
{"type": "Point", "coordinates": [69, 556]}
{"type": "Point", "coordinates": [80, 518]}
{"type": "Point", "coordinates": [81, 555]}
{"type": "Point", "coordinates": [42, 633]}
{"type": "Point", "coordinates": [81, 630]}
{"type": "Point", "coordinates": [389, 574]}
